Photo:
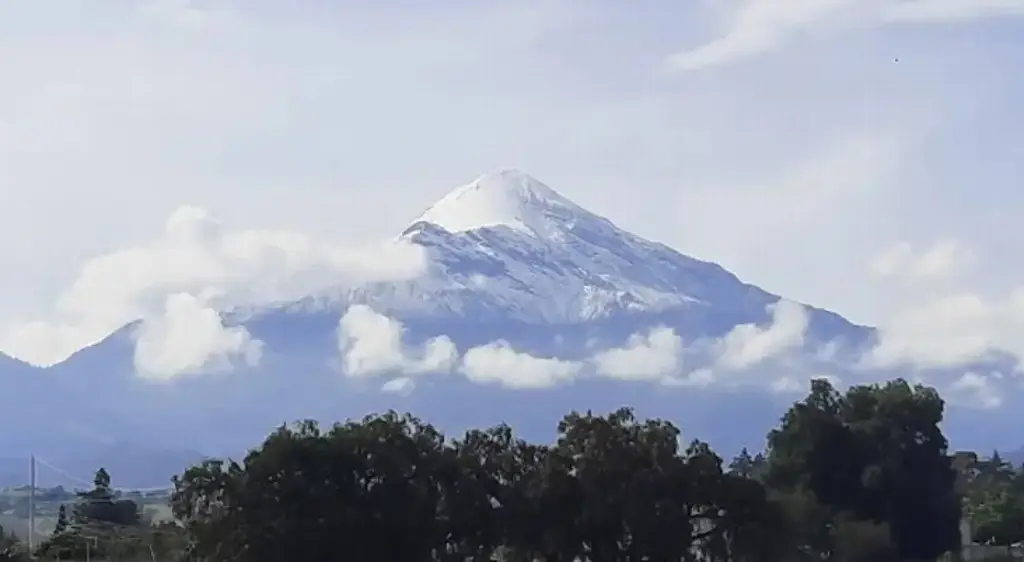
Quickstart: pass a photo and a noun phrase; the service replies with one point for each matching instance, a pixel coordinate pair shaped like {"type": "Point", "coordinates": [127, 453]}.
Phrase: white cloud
{"type": "Point", "coordinates": [651, 356]}
{"type": "Point", "coordinates": [198, 256]}
{"type": "Point", "coordinates": [180, 13]}
{"type": "Point", "coordinates": [658, 355]}
{"type": "Point", "coordinates": [762, 25]}
{"type": "Point", "coordinates": [402, 386]}
{"type": "Point", "coordinates": [344, 122]}
{"type": "Point", "coordinates": [747, 348]}
{"type": "Point", "coordinates": [748, 345]}
{"type": "Point", "coordinates": [371, 344]}
{"type": "Point", "coordinates": [974, 390]}
{"type": "Point", "coordinates": [951, 329]}
{"type": "Point", "coordinates": [190, 338]}
{"type": "Point", "coordinates": [497, 362]}
{"type": "Point", "coordinates": [758, 26]}
{"type": "Point", "coordinates": [940, 11]}
{"type": "Point", "coordinates": [699, 378]}
{"type": "Point", "coordinates": [774, 232]}
{"type": "Point", "coordinates": [941, 259]}
{"type": "Point", "coordinates": [787, 385]}
{"type": "Point", "coordinates": [939, 322]}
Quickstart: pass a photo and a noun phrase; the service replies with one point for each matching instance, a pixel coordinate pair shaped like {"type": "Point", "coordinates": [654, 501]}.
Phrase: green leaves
{"type": "Point", "coordinates": [391, 487]}
{"type": "Point", "coordinates": [857, 476]}
{"type": "Point", "coordinates": [11, 549]}
{"type": "Point", "coordinates": [100, 525]}
{"type": "Point", "coordinates": [875, 453]}
{"type": "Point", "coordinates": [994, 499]}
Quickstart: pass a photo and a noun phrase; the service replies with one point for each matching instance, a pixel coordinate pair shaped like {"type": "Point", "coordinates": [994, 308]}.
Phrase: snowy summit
{"type": "Point", "coordinates": [508, 198]}
{"type": "Point", "coordinates": [519, 283]}
{"type": "Point", "coordinates": [508, 246]}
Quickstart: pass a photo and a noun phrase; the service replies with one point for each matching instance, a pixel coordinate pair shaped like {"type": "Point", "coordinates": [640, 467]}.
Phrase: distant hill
{"type": "Point", "coordinates": [528, 306]}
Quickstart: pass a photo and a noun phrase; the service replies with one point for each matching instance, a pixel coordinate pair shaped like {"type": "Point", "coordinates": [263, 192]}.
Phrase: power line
{"type": "Point", "coordinates": [36, 461]}
{"type": "Point", "coordinates": [88, 482]}
{"type": "Point", "coordinates": [64, 473]}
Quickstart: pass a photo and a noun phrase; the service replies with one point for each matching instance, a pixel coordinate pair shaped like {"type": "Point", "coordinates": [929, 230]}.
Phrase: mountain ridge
{"type": "Point", "coordinates": [532, 277]}
{"type": "Point", "coordinates": [531, 249]}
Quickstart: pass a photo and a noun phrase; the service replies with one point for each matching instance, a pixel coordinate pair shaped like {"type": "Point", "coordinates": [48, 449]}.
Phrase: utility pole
{"type": "Point", "coordinates": [32, 506]}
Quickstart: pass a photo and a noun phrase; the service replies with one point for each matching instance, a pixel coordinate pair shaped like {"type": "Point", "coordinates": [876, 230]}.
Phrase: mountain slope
{"type": "Point", "coordinates": [507, 247]}
{"type": "Point", "coordinates": [513, 265]}
{"type": "Point", "coordinates": [512, 246]}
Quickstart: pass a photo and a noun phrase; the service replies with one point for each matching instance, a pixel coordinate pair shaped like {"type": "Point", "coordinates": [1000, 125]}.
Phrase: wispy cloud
{"type": "Point", "coordinates": [759, 26]}
{"type": "Point", "coordinates": [941, 325]}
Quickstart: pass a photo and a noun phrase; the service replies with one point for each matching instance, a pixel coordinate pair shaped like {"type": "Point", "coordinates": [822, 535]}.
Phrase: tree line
{"type": "Point", "coordinates": [861, 475]}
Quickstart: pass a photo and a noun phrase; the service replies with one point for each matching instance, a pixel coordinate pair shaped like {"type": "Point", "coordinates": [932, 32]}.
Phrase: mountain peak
{"type": "Point", "coordinates": [508, 198]}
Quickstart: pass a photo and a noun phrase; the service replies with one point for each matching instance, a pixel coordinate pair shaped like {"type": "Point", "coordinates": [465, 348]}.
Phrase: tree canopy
{"type": "Point", "coordinates": [875, 453]}
{"type": "Point", "coordinates": [860, 475]}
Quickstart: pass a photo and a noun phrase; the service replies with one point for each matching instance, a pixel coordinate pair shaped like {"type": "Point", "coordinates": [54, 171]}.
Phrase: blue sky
{"type": "Point", "coordinates": [798, 153]}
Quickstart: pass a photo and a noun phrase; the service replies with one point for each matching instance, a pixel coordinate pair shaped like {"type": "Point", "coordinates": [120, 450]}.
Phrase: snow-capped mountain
{"type": "Point", "coordinates": [517, 278]}
{"type": "Point", "coordinates": [509, 245]}
{"type": "Point", "coordinates": [509, 248]}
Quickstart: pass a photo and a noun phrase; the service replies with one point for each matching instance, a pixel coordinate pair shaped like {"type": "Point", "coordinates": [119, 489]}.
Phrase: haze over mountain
{"type": "Point", "coordinates": [511, 303]}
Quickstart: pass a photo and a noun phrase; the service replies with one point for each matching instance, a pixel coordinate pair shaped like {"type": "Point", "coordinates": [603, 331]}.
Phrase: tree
{"type": "Point", "coordinates": [391, 487]}
{"type": "Point", "coordinates": [62, 543]}
{"type": "Point", "coordinates": [62, 520]}
{"type": "Point", "coordinates": [494, 485]}
{"type": "Point", "coordinates": [810, 524]}
{"type": "Point", "coordinates": [101, 481]}
{"type": "Point", "coordinates": [1000, 521]}
{"type": "Point", "coordinates": [635, 491]}
{"type": "Point", "coordinates": [860, 476]}
{"type": "Point", "coordinates": [854, 540]}
{"type": "Point", "coordinates": [873, 454]}
{"type": "Point", "coordinates": [370, 489]}
{"type": "Point", "coordinates": [748, 466]}
{"type": "Point", "coordinates": [206, 501]}
{"type": "Point", "coordinates": [99, 525]}
{"type": "Point", "coordinates": [99, 505]}
{"type": "Point", "coordinates": [11, 549]}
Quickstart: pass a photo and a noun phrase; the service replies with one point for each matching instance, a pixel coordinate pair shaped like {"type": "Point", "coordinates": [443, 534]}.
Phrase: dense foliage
{"type": "Point", "coordinates": [855, 476]}
{"type": "Point", "coordinates": [994, 498]}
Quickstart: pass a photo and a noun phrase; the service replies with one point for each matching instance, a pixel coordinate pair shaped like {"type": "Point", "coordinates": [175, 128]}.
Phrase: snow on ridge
{"type": "Point", "coordinates": [508, 198]}
{"type": "Point", "coordinates": [510, 246]}
{"type": "Point", "coordinates": [584, 274]}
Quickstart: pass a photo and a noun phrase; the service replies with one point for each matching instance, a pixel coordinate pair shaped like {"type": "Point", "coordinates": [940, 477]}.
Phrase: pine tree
{"type": "Point", "coordinates": [62, 520]}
